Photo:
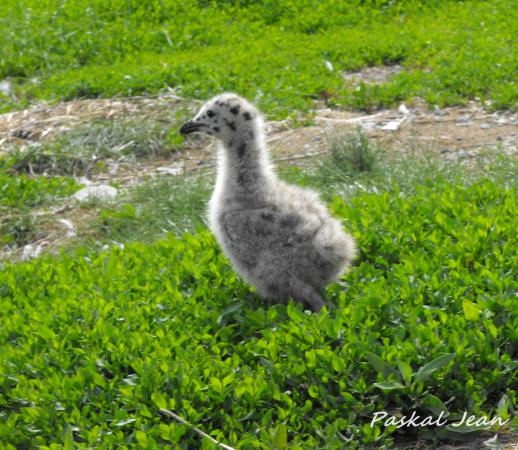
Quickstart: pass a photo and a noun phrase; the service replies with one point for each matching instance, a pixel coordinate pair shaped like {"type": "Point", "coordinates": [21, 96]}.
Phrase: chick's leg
{"type": "Point", "coordinates": [305, 293]}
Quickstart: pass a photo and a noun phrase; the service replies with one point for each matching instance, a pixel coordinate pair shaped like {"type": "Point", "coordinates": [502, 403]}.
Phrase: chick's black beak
{"type": "Point", "coordinates": [189, 127]}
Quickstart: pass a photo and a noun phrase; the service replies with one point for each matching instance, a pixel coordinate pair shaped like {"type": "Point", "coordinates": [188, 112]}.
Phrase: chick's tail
{"type": "Point", "coordinates": [335, 245]}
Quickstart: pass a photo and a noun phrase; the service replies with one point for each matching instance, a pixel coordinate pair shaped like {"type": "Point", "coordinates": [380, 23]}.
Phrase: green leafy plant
{"type": "Point", "coordinates": [412, 383]}
{"type": "Point", "coordinates": [23, 190]}
{"type": "Point", "coordinates": [104, 340]}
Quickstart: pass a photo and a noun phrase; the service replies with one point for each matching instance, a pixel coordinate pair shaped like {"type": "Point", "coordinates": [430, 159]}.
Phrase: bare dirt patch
{"type": "Point", "coordinates": [372, 75]}
{"type": "Point", "coordinates": [451, 132]}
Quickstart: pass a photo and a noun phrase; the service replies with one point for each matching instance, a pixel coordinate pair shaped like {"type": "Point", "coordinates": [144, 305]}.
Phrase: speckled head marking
{"type": "Point", "coordinates": [229, 118]}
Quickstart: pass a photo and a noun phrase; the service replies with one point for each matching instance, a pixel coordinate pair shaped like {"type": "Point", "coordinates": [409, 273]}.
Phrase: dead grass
{"type": "Point", "coordinates": [46, 121]}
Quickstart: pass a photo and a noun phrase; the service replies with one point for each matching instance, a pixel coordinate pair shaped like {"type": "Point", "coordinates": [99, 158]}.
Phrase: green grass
{"type": "Point", "coordinates": [356, 164]}
{"type": "Point", "coordinates": [93, 344]}
{"type": "Point", "coordinates": [178, 205]}
{"type": "Point", "coordinates": [274, 53]}
{"type": "Point", "coordinates": [350, 155]}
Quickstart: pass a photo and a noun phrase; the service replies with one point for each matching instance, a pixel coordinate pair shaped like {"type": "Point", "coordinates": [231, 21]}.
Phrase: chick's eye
{"type": "Point", "coordinates": [210, 113]}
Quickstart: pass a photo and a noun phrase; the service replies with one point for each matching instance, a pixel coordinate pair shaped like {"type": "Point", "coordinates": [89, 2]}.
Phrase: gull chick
{"type": "Point", "coordinates": [279, 237]}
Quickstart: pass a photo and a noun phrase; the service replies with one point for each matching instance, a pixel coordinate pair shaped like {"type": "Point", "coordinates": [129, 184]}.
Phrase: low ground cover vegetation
{"type": "Point", "coordinates": [425, 321]}
{"type": "Point", "coordinates": [283, 54]}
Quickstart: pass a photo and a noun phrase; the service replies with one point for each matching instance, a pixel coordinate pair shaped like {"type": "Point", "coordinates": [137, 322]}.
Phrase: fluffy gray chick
{"type": "Point", "coordinates": [279, 237]}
